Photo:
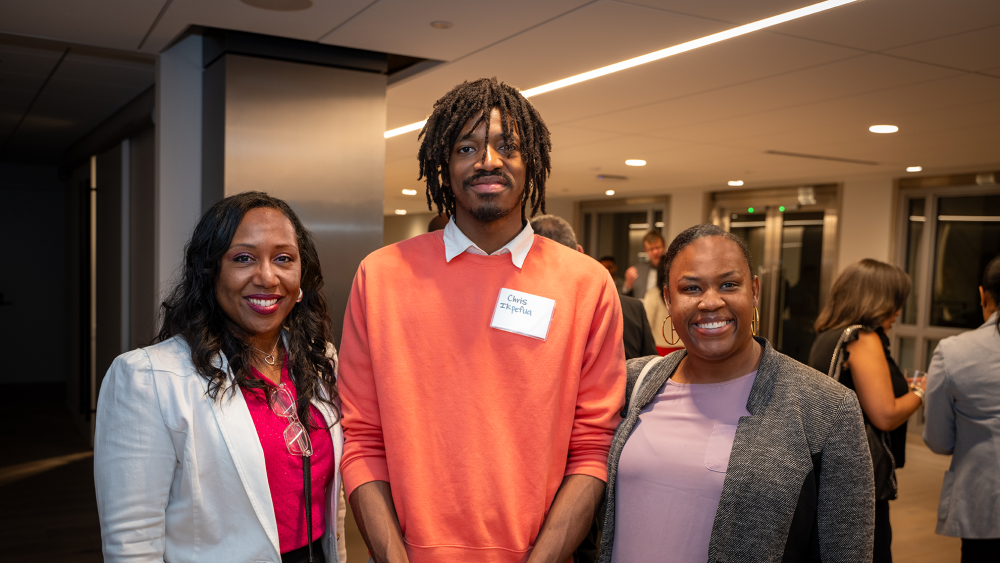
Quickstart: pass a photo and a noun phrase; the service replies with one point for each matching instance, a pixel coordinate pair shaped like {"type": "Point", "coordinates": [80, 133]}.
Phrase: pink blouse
{"type": "Point", "coordinates": [672, 469]}
{"type": "Point", "coordinates": [284, 471]}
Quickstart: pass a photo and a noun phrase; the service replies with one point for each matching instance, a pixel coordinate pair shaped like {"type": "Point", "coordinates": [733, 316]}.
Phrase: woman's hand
{"type": "Point", "coordinates": [873, 384]}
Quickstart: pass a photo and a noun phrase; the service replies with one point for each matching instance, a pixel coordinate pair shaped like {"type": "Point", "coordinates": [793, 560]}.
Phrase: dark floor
{"type": "Point", "coordinates": [48, 509]}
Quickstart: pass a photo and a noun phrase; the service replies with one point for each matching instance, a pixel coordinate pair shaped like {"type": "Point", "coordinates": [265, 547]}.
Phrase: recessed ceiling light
{"type": "Point", "coordinates": [736, 182]}
{"type": "Point", "coordinates": [609, 192]}
{"type": "Point", "coordinates": [400, 212]}
{"type": "Point", "coordinates": [635, 162]}
{"type": "Point", "coordinates": [409, 192]}
{"type": "Point", "coordinates": [280, 5]}
{"type": "Point", "coordinates": [441, 24]}
{"type": "Point", "coordinates": [883, 128]}
{"type": "Point", "coordinates": [661, 54]}
{"type": "Point", "coordinates": [914, 168]}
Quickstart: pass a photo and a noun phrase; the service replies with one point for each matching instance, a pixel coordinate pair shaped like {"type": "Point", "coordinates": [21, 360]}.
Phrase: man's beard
{"type": "Point", "coordinates": [490, 209]}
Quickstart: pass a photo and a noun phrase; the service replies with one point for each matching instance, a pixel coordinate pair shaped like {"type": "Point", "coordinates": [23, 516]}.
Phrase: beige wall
{"type": "Point", "coordinates": [866, 221]}
{"type": "Point", "coordinates": [401, 227]}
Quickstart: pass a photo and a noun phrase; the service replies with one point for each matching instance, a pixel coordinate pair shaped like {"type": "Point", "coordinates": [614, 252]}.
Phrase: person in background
{"type": "Point", "coordinates": [962, 413]}
{"type": "Point", "coordinates": [871, 294]}
{"type": "Point", "coordinates": [204, 441]}
{"type": "Point", "coordinates": [730, 450]}
{"type": "Point", "coordinates": [439, 222]}
{"type": "Point", "coordinates": [612, 267]}
{"type": "Point", "coordinates": [642, 277]}
{"type": "Point", "coordinates": [636, 335]}
{"type": "Point", "coordinates": [481, 366]}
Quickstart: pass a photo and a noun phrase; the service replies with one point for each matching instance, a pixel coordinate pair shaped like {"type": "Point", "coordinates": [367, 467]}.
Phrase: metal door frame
{"type": "Point", "coordinates": [825, 198]}
{"type": "Point", "coordinates": [631, 205]}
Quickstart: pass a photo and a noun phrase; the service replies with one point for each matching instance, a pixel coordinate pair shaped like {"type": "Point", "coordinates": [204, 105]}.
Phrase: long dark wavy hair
{"type": "Point", "coordinates": [193, 313]}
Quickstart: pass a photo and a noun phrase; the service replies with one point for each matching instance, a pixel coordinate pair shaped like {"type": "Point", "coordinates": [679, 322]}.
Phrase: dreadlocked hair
{"type": "Point", "coordinates": [192, 312]}
{"type": "Point", "coordinates": [447, 120]}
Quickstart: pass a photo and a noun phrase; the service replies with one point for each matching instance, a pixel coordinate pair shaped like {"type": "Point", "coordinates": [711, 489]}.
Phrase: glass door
{"type": "Point", "coordinates": [791, 234]}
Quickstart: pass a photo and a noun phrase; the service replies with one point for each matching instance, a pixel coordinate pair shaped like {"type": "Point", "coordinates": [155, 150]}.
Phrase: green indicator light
{"type": "Point", "coordinates": [781, 209]}
{"type": "Point", "coordinates": [750, 210]}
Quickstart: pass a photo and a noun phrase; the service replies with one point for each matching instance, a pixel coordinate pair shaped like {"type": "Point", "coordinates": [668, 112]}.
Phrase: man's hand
{"type": "Point", "coordinates": [375, 514]}
{"type": "Point", "coordinates": [631, 275]}
{"type": "Point", "coordinates": [568, 520]}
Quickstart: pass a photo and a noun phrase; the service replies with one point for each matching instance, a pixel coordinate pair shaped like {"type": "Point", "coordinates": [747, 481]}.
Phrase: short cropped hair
{"type": "Point", "coordinates": [653, 236]}
{"type": "Point", "coordinates": [555, 228]}
{"type": "Point", "coordinates": [692, 234]}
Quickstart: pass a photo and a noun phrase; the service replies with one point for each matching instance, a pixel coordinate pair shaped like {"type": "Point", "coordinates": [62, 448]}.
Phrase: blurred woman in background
{"type": "Point", "coordinates": [868, 295]}
{"type": "Point", "coordinates": [222, 442]}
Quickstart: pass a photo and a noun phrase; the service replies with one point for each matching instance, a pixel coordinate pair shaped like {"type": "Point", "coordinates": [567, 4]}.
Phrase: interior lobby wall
{"type": "Point", "coordinates": [308, 134]}
{"type": "Point", "coordinates": [178, 156]}
{"type": "Point", "coordinates": [866, 219]}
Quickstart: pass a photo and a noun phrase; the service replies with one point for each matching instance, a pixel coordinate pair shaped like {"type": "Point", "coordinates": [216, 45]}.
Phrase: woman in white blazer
{"type": "Point", "coordinates": [222, 442]}
{"type": "Point", "coordinates": [963, 419]}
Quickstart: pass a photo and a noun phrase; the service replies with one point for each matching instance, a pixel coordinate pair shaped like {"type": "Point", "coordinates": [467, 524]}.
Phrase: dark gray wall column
{"type": "Point", "coordinates": [311, 135]}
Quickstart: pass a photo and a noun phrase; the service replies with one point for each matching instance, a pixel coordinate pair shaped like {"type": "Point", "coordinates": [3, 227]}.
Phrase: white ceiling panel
{"type": "Point", "coordinates": [975, 50]}
{"type": "Point", "coordinates": [403, 26]}
{"type": "Point", "coordinates": [598, 34]}
{"type": "Point", "coordinates": [117, 24]}
{"type": "Point", "coordinates": [878, 25]}
{"type": "Point", "coordinates": [308, 25]}
{"type": "Point", "coordinates": [737, 12]}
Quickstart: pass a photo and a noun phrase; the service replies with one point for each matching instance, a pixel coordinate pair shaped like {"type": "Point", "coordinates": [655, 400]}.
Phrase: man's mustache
{"type": "Point", "coordinates": [504, 176]}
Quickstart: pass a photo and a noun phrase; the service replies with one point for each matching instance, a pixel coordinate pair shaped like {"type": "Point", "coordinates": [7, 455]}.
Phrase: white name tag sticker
{"type": "Point", "coordinates": [523, 313]}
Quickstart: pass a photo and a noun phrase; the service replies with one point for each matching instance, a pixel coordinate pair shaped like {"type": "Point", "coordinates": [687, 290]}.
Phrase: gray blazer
{"type": "Point", "coordinates": [799, 465]}
{"type": "Point", "coordinates": [962, 410]}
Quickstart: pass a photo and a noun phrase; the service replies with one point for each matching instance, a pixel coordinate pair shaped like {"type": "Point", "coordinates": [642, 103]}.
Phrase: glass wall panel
{"type": "Point", "coordinates": [798, 307]}
{"type": "Point", "coordinates": [907, 353]}
{"type": "Point", "coordinates": [914, 255]}
{"type": "Point", "coordinates": [750, 228]}
{"type": "Point", "coordinates": [968, 236]}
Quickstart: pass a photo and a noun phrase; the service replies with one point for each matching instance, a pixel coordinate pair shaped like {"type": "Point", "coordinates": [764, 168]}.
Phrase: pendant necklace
{"type": "Point", "coordinates": [268, 358]}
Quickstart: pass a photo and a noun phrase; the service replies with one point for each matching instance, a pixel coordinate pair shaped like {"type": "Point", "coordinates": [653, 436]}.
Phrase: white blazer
{"type": "Point", "coordinates": [180, 477]}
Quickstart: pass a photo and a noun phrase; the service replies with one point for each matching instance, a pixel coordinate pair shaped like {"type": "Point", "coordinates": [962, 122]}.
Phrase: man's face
{"type": "Point", "coordinates": [654, 250]}
{"type": "Point", "coordinates": [487, 176]}
{"type": "Point", "coordinates": [611, 266]}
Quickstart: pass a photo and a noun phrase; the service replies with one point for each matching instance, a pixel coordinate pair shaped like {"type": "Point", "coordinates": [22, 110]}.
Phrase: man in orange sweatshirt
{"type": "Point", "coordinates": [482, 367]}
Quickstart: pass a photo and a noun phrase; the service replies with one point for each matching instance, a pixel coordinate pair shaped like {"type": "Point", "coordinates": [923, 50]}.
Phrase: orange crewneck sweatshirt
{"type": "Point", "coordinates": [473, 427]}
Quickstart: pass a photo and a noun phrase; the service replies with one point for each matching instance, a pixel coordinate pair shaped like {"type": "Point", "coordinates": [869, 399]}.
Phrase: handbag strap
{"type": "Point", "coordinates": [837, 361]}
{"type": "Point", "coordinates": [642, 375]}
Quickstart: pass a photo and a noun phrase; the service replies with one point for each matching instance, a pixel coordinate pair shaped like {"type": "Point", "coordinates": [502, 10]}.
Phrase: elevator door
{"type": "Point", "coordinates": [792, 252]}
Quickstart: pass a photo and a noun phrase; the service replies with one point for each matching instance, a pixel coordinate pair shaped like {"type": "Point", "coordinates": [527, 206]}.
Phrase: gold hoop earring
{"type": "Point", "coordinates": [673, 332]}
{"type": "Point", "coordinates": [755, 324]}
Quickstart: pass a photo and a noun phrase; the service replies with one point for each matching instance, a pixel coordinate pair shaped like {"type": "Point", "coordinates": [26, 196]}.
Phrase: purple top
{"type": "Point", "coordinates": [672, 468]}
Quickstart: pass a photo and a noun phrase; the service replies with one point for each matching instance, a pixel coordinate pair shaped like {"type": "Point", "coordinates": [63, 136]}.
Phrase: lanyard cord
{"type": "Point", "coordinates": [307, 487]}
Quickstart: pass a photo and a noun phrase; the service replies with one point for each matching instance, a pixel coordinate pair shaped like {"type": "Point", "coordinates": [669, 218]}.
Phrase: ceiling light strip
{"type": "Point", "coordinates": [661, 54]}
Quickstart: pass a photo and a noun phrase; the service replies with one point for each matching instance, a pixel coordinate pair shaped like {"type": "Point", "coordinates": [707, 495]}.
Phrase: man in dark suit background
{"type": "Point", "coordinates": [637, 334]}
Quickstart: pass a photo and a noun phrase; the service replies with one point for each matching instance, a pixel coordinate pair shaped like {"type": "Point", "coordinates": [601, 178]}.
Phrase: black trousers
{"type": "Point", "coordinates": [301, 555]}
{"type": "Point", "coordinates": [976, 551]}
{"type": "Point", "coordinates": [883, 533]}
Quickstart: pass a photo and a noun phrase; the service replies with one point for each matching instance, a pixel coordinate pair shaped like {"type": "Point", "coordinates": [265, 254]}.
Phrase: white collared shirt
{"type": "Point", "coordinates": [455, 243]}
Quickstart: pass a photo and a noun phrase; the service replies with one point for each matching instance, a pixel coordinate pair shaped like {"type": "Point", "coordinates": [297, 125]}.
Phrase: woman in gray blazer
{"type": "Point", "coordinates": [962, 413]}
{"type": "Point", "coordinates": [730, 450]}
